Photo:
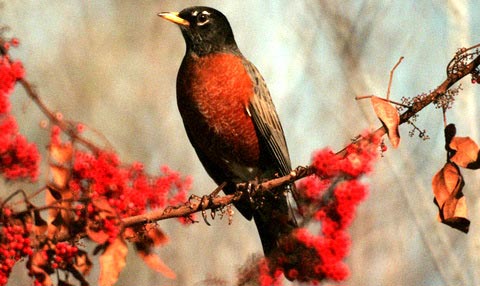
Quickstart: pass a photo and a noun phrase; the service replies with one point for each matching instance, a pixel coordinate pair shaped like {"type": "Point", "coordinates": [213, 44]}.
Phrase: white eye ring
{"type": "Point", "coordinates": [203, 18]}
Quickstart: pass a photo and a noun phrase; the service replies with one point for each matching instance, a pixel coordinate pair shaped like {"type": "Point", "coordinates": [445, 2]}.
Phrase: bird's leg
{"type": "Point", "coordinates": [251, 190]}
{"type": "Point", "coordinates": [205, 202]}
{"type": "Point", "coordinates": [194, 201]}
{"type": "Point", "coordinates": [213, 195]}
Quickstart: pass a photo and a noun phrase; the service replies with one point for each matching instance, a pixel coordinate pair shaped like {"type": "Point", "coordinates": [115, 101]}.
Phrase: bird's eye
{"type": "Point", "coordinates": [202, 19]}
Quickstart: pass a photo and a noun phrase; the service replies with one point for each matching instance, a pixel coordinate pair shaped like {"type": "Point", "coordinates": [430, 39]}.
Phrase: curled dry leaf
{"type": "Point", "coordinates": [466, 152]}
{"type": "Point", "coordinates": [39, 225]}
{"type": "Point", "coordinates": [447, 187]}
{"type": "Point", "coordinates": [94, 229]}
{"type": "Point", "coordinates": [157, 236]}
{"type": "Point", "coordinates": [83, 263]}
{"type": "Point", "coordinates": [145, 239]}
{"type": "Point", "coordinates": [54, 193]}
{"type": "Point", "coordinates": [389, 117]}
{"type": "Point", "coordinates": [105, 210]}
{"type": "Point", "coordinates": [98, 236]}
{"type": "Point", "coordinates": [60, 176]}
{"type": "Point", "coordinates": [155, 262]}
{"type": "Point", "coordinates": [145, 236]}
{"type": "Point", "coordinates": [61, 153]}
{"type": "Point", "coordinates": [112, 262]}
{"type": "Point", "coordinates": [60, 158]}
{"type": "Point", "coordinates": [463, 151]}
{"type": "Point", "coordinates": [38, 267]}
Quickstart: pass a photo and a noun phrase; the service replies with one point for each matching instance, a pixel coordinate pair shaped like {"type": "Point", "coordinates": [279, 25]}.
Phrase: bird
{"type": "Point", "coordinates": [231, 121]}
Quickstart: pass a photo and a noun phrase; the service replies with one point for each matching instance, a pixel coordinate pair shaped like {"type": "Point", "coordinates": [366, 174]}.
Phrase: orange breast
{"type": "Point", "coordinates": [212, 94]}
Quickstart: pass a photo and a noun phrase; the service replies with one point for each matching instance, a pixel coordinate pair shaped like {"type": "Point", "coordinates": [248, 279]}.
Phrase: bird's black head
{"type": "Point", "coordinates": [205, 30]}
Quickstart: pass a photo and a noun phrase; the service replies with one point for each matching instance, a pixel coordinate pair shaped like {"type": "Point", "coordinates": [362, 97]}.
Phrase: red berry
{"type": "Point", "coordinates": [80, 127]}
{"type": "Point", "coordinates": [7, 212]}
{"type": "Point", "coordinates": [15, 42]}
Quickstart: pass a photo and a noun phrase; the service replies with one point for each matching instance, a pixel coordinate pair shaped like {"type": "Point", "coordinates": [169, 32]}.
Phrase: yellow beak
{"type": "Point", "coordinates": [174, 18]}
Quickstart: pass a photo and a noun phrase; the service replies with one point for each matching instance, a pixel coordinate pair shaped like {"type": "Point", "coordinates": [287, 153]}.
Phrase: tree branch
{"type": "Point", "coordinates": [218, 202]}
{"type": "Point", "coordinates": [302, 172]}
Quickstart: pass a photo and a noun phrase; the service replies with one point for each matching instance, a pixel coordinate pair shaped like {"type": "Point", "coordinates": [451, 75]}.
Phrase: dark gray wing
{"type": "Point", "coordinates": [275, 218]}
{"type": "Point", "coordinates": [265, 119]}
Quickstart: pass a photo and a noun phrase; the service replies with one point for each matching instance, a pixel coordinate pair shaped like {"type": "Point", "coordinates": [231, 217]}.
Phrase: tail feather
{"type": "Point", "coordinates": [274, 219]}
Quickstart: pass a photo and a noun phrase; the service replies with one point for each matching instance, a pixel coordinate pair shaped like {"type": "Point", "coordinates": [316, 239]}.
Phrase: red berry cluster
{"type": "Point", "coordinates": [102, 220]}
{"type": "Point", "coordinates": [127, 188]}
{"type": "Point", "coordinates": [327, 199]}
{"type": "Point", "coordinates": [18, 158]}
{"type": "Point", "coordinates": [14, 42]}
{"type": "Point", "coordinates": [266, 278]}
{"type": "Point", "coordinates": [116, 190]}
{"type": "Point", "coordinates": [64, 254]}
{"type": "Point", "coordinates": [14, 244]}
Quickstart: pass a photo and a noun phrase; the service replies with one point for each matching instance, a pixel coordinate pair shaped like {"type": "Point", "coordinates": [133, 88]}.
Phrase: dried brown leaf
{"type": "Point", "coordinates": [130, 234]}
{"type": "Point", "coordinates": [37, 266]}
{"type": "Point", "coordinates": [60, 176]}
{"type": "Point", "coordinates": [155, 262]}
{"type": "Point", "coordinates": [60, 159]}
{"type": "Point", "coordinates": [466, 151]}
{"type": "Point", "coordinates": [157, 236]}
{"type": "Point", "coordinates": [447, 185]}
{"type": "Point", "coordinates": [98, 236]}
{"type": "Point", "coordinates": [112, 262]}
{"type": "Point", "coordinates": [61, 153]}
{"type": "Point", "coordinates": [54, 193]}
{"type": "Point", "coordinates": [52, 231]}
{"type": "Point", "coordinates": [83, 263]}
{"type": "Point", "coordinates": [389, 117]}
{"type": "Point", "coordinates": [40, 225]}
{"type": "Point", "coordinates": [444, 183]}
{"type": "Point", "coordinates": [94, 229]}
{"type": "Point", "coordinates": [58, 221]}
{"type": "Point", "coordinates": [104, 208]}
{"type": "Point", "coordinates": [51, 199]}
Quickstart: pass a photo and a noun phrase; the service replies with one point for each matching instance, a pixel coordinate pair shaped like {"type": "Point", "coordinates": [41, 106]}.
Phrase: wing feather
{"type": "Point", "coordinates": [265, 118]}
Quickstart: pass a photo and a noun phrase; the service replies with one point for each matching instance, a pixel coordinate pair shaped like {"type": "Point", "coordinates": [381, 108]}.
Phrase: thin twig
{"type": "Point", "coordinates": [417, 106]}
{"type": "Point", "coordinates": [64, 125]}
{"type": "Point", "coordinates": [360, 97]}
{"type": "Point", "coordinates": [391, 76]}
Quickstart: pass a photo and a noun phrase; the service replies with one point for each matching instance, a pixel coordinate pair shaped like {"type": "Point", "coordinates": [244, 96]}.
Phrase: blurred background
{"type": "Point", "coordinates": [112, 65]}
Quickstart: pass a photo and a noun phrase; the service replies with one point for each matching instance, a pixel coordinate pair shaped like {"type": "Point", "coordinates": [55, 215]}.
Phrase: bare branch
{"type": "Point", "coordinates": [214, 202]}
{"type": "Point", "coordinates": [391, 76]}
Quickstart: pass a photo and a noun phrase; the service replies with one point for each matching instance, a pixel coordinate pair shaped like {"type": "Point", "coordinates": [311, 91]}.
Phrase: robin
{"type": "Point", "coordinates": [230, 119]}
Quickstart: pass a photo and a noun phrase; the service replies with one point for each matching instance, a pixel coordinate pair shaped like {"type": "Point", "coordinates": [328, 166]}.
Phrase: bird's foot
{"type": "Point", "coordinates": [197, 202]}
{"type": "Point", "coordinates": [205, 202]}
